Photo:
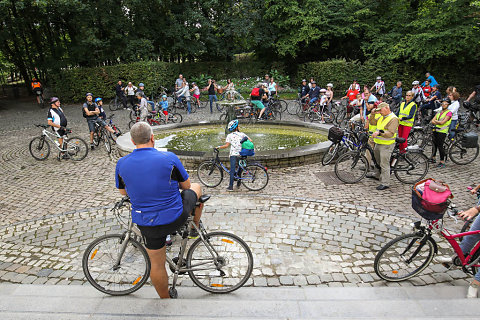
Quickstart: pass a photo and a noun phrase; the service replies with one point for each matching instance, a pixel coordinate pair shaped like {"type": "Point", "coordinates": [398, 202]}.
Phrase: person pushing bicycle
{"type": "Point", "coordinates": [234, 141]}
{"type": "Point", "coordinates": [152, 180]}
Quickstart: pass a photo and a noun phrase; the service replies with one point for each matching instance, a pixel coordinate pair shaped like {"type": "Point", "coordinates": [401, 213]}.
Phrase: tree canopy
{"type": "Point", "coordinates": [49, 35]}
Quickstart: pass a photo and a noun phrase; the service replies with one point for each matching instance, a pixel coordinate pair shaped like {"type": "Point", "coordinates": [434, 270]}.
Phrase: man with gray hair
{"type": "Point", "coordinates": [152, 180]}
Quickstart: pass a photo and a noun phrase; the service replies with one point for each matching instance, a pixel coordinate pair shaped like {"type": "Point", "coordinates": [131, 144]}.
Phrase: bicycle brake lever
{"type": "Point", "coordinates": [452, 213]}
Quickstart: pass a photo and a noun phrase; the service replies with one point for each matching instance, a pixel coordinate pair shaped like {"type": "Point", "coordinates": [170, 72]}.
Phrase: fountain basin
{"type": "Point", "coordinates": [277, 144]}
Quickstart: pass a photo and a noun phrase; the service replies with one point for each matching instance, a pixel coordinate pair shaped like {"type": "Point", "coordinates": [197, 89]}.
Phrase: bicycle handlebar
{"type": "Point", "coordinates": [121, 203]}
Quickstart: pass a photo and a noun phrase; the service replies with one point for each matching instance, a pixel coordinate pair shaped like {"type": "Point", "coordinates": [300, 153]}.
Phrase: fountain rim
{"type": "Point", "coordinates": [125, 145]}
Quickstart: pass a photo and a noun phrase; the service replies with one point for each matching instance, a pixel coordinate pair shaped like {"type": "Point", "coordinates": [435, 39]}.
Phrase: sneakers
{"type": "Point", "coordinates": [92, 146]}
{"type": "Point", "coordinates": [444, 259]}
{"type": "Point", "coordinates": [472, 291]}
{"type": "Point", "coordinates": [229, 189]}
{"type": "Point", "coordinates": [193, 234]}
{"type": "Point", "coordinates": [441, 165]}
{"type": "Point", "coordinates": [431, 160]}
{"type": "Point", "coordinates": [239, 183]}
{"type": "Point", "coordinates": [168, 242]}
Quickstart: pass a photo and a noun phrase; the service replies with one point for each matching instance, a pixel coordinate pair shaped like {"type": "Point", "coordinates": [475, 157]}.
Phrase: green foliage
{"type": "Point", "coordinates": [280, 79]}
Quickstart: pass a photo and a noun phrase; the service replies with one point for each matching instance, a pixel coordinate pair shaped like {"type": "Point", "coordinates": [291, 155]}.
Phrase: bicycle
{"type": "Point", "coordinates": [409, 167]}
{"type": "Point", "coordinates": [347, 140]}
{"type": "Point", "coordinates": [253, 175]}
{"type": "Point", "coordinates": [101, 134]}
{"type": "Point", "coordinates": [111, 124]}
{"type": "Point", "coordinates": [317, 112]}
{"type": "Point", "coordinates": [407, 255]}
{"type": "Point", "coordinates": [115, 104]}
{"type": "Point", "coordinates": [118, 264]}
{"type": "Point", "coordinates": [73, 148]}
{"type": "Point", "coordinates": [156, 118]}
{"type": "Point", "coordinates": [41, 100]}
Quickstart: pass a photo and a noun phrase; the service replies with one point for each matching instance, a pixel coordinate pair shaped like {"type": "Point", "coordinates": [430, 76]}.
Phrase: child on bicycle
{"type": "Point", "coordinates": [102, 113]}
{"type": "Point", "coordinates": [234, 141]}
{"type": "Point", "coordinates": [164, 106]}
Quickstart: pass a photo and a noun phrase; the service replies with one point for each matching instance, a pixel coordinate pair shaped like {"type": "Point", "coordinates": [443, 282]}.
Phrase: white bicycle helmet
{"type": "Point", "coordinates": [379, 78]}
{"type": "Point", "coordinates": [330, 85]}
{"type": "Point", "coordinates": [323, 90]}
{"type": "Point", "coordinates": [416, 82]}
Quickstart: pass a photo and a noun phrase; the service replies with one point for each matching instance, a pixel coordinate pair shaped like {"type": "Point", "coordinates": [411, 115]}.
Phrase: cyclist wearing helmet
{"type": "Point", "coordinates": [164, 106]}
{"type": "Point", "coordinates": [141, 90]}
{"type": "Point", "coordinates": [99, 103]}
{"type": "Point", "coordinates": [379, 87]}
{"type": "Point", "coordinates": [90, 112]}
{"type": "Point", "coordinates": [354, 86]}
{"type": "Point", "coordinates": [418, 95]}
{"type": "Point", "coordinates": [234, 141]}
{"type": "Point", "coordinates": [329, 95]}
{"type": "Point", "coordinates": [56, 118]}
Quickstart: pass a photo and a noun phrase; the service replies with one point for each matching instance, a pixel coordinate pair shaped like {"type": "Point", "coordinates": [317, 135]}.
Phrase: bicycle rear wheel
{"type": "Point", "coordinates": [411, 167]}
{"type": "Point", "coordinates": [39, 148]}
{"type": "Point", "coordinates": [404, 257]}
{"type": "Point", "coordinates": [460, 155]}
{"type": "Point", "coordinates": [77, 148]}
{"type": "Point", "coordinates": [100, 269]}
{"type": "Point", "coordinates": [292, 107]}
{"type": "Point", "coordinates": [227, 269]}
{"type": "Point", "coordinates": [175, 117]}
{"type": "Point", "coordinates": [283, 105]}
{"type": "Point", "coordinates": [113, 105]}
{"type": "Point", "coordinates": [209, 174]}
{"type": "Point", "coordinates": [254, 177]}
{"type": "Point", "coordinates": [330, 154]}
{"type": "Point", "coordinates": [351, 167]}
{"type": "Point", "coordinates": [106, 141]}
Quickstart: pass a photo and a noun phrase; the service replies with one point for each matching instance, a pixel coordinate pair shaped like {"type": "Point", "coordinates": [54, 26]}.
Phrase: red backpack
{"type": "Point", "coordinates": [255, 92]}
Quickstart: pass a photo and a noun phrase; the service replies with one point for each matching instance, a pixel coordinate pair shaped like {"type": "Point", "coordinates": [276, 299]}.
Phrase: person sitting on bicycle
{"type": "Point", "coordinates": [256, 97]}
{"type": "Point", "coordinates": [354, 86]}
{"type": "Point", "coordinates": [37, 88]}
{"type": "Point", "coordinates": [323, 102]}
{"type": "Point", "coordinates": [195, 91]}
{"type": "Point", "coordinates": [384, 138]}
{"type": "Point", "coordinates": [430, 104]}
{"type": "Point", "coordinates": [234, 142]}
{"type": "Point", "coordinates": [313, 94]}
{"type": "Point", "coordinates": [142, 106]}
{"type": "Point", "coordinates": [152, 180]}
{"type": "Point", "coordinates": [303, 90]}
{"type": "Point", "coordinates": [467, 245]}
{"type": "Point", "coordinates": [396, 93]}
{"type": "Point", "coordinates": [357, 106]}
{"type": "Point", "coordinates": [102, 114]}
{"type": "Point", "coordinates": [164, 107]}
{"type": "Point", "coordinates": [90, 112]}
{"type": "Point", "coordinates": [418, 95]}
{"type": "Point", "coordinates": [379, 87]}
{"type": "Point", "coordinates": [56, 119]}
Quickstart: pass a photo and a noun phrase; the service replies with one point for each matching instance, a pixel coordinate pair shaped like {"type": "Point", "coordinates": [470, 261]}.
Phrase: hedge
{"type": "Point", "coordinates": [73, 84]}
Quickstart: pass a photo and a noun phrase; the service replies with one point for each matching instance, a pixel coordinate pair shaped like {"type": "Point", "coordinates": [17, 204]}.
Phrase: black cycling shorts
{"type": "Point", "coordinates": [156, 236]}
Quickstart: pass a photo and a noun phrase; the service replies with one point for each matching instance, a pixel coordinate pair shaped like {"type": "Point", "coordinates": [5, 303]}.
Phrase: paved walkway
{"type": "Point", "coordinates": [305, 228]}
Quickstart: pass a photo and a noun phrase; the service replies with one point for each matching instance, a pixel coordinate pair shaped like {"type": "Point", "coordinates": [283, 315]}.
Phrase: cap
{"type": "Point", "coordinates": [304, 80]}
{"type": "Point", "coordinates": [141, 85]}
{"type": "Point", "coordinates": [381, 105]}
{"type": "Point", "coordinates": [89, 94]}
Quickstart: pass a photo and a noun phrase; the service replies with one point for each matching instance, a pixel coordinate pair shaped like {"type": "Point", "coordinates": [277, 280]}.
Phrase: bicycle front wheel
{"type": "Point", "coordinates": [220, 264]}
{"type": "Point", "coordinates": [330, 154]}
{"type": "Point", "coordinates": [292, 107]}
{"type": "Point", "coordinates": [39, 148]}
{"type": "Point", "coordinates": [100, 267]}
{"type": "Point", "coordinates": [77, 148]}
{"type": "Point", "coordinates": [113, 106]}
{"type": "Point", "coordinates": [404, 257]}
{"type": "Point", "coordinates": [351, 167]}
{"type": "Point", "coordinates": [254, 177]}
{"type": "Point", "coordinates": [106, 141]}
{"type": "Point", "coordinates": [209, 174]}
{"type": "Point", "coordinates": [175, 117]}
{"type": "Point", "coordinates": [461, 155]}
{"type": "Point", "coordinates": [411, 167]}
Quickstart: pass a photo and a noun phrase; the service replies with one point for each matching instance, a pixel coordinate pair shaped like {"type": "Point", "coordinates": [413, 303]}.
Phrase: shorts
{"type": "Point", "coordinates": [165, 112]}
{"type": "Point", "coordinates": [197, 96]}
{"type": "Point", "coordinates": [60, 131]}
{"type": "Point", "coordinates": [91, 123]}
{"type": "Point", "coordinates": [38, 91]}
{"type": "Point", "coordinates": [156, 236]}
{"type": "Point", "coordinates": [258, 104]}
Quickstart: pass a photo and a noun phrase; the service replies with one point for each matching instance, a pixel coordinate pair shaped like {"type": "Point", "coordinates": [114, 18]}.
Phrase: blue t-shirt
{"type": "Point", "coordinates": [164, 105]}
{"type": "Point", "coordinates": [151, 179]}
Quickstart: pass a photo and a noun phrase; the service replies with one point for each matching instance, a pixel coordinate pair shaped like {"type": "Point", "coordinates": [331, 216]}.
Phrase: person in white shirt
{"type": "Point", "coordinates": [379, 87]}
{"type": "Point", "coordinates": [130, 90]}
{"type": "Point", "coordinates": [184, 93]}
{"type": "Point", "coordinates": [453, 107]}
{"type": "Point", "coordinates": [418, 95]}
{"type": "Point", "coordinates": [142, 106]}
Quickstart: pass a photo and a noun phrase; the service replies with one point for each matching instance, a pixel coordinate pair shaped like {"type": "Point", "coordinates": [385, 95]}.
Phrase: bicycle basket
{"type": "Point", "coordinates": [426, 209]}
{"type": "Point", "coordinates": [335, 134]}
{"type": "Point", "coordinates": [470, 140]}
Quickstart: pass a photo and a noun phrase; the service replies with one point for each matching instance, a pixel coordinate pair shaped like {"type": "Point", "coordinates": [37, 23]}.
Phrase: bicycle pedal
{"type": "Point", "coordinates": [173, 293]}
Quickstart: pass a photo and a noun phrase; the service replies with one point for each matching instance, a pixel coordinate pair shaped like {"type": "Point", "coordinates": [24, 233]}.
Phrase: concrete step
{"type": "Point", "coordinates": [84, 302]}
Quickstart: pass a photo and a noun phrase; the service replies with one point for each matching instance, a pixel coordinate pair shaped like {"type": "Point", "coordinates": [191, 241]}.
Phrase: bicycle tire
{"type": "Point", "coordinates": [106, 141]}
{"type": "Point", "coordinates": [131, 123]}
{"type": "Point", "coordinates": [389, 270]}
{"type": "Point", "coordinates": [328, 117]}
{"type": "Point", "coordinates": [193, 107]}
{"type": "Point", "coordinates": [96, 138]}
{"type": "Point", "coordinates": [40, 145]}
{"type": "Point", "coordinates": [77, 148]}
{"type": "Point", "coordinates": [254, 177]}
{"type": "Point", "coordinates": [175, 117]}
{"type": "Point", "coordinates": [112, 105]}
{"type": "Point", "coordinates": [100, 281]}
{"type": "Point", "coordinates": [330, 154]}
{"type": "Point", "coordinates": [209, 174]}
{"type": "Point", "coordinates": [340, 117]}
{"type": "Point", "coordinates": [231, 269]}
{"type": "Point", "coordinates": [461, 155]}
{"type": "Point", "coordinates": [220, 106]}
{"type": "Point", "coordinates": [403, 167]}
{"type": "Point", "coordinates": [133, 115]}
{"type": "Point", "coordinates": [351, 167]}
{"type": "Point", "coordinates": [113, 137]}
{"type": "Point", "coordinates": [223, 117]}
{"type": "Point", "coordinates": [283, 105]}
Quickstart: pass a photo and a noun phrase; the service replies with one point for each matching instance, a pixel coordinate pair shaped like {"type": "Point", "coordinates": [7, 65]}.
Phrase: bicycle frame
{"type": "Point", "coordinates": [466, 260]}
{"type": "Point", "coordinates": [241, 166]}
{"type": "Point", "coordinates": [51, 137]}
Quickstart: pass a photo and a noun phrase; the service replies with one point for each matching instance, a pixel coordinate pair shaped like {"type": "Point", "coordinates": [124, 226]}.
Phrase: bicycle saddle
{"type": "Point", "coordinates": [42, 125]}
{"type": "Point", "coordinates": [457, 129]}
{"type": "Point", "coordinates": [400, 140]}
{"type": "Point", "coordinates": [204, 198]}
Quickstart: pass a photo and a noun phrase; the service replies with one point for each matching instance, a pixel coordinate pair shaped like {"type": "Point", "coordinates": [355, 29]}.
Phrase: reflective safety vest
{"type": "Point", "coordinates": [382, 122]}
{"type": "Point", "coordinates": [373, 127]}
{"type": "Point", "coordinates": [36, 85]}
{"type": "Point", "coordinates": [439, 117]}
{"type": "Point", "coordinates": [405, 112]}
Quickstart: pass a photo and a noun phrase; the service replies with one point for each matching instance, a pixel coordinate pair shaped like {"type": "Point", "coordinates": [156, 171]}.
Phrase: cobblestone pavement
{"type": "Point", "coordinates": [305, 228]}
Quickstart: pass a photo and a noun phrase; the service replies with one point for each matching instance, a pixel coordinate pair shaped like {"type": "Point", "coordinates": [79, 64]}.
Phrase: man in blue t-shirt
{"type": "Point", "coordinates": [152, 179]}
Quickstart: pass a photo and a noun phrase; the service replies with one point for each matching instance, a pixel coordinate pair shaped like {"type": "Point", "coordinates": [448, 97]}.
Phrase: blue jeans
{"type": "Point", "coordinates": [313, 100]}
{"type": "Point", "coordinates": [451, 133]}
{"type": "Point", "coordinates": [469, 241]}
{"type": "Point", "coordinates": [233, 166]}
{"type": "Point", "coordinates": [212, 97]}
{"type": "Point", "coordinates": [189, 107]}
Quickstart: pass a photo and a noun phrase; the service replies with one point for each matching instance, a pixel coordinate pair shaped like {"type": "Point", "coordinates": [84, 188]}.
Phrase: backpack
{"type": "Point", "coordinates": [247, 147]}
{"type": "Point", "coordinates": [255, 92]}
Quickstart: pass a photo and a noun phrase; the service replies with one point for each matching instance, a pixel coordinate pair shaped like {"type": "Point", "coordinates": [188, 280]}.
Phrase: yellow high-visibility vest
{"type": "Point", "coordinates": [382, 122]}
{"type": "Point", "coordinates": [405, 112]}
{"type": "Point", "coordinates": [439, 117]}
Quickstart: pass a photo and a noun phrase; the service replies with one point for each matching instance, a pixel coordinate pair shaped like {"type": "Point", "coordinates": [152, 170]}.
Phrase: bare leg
{"type": "Point", "coordinates": [91, 137]}
{"type": "Point", "coordinates": [198, 210]}
{"type": "Point", "coordinates": [158, 273]}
